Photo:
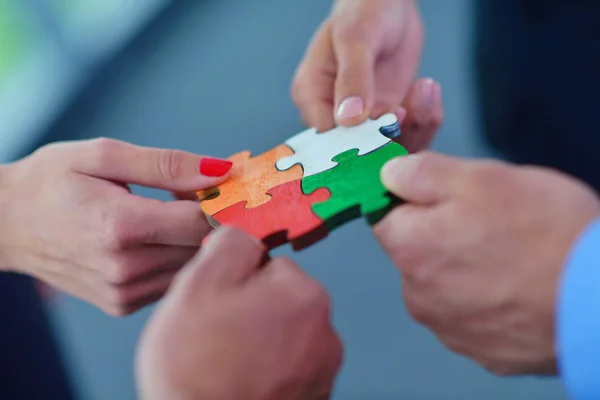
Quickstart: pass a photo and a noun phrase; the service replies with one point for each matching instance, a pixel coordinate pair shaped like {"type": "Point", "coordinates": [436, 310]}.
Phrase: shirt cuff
{"type": "Point", "coordinates": [578, 318]}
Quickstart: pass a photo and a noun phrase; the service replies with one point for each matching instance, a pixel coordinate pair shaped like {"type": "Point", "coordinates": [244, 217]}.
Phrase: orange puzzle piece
{"type": "Point", "coordinates": [288, 216]}
{"type": "Point", "coordinates": [250, 179]}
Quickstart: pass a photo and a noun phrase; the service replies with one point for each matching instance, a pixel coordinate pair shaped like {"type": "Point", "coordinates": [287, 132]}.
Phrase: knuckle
{"type": "Point", "coordinates": [298, 88]}
{"type": "Point", "coordinates": [119, 271]}
{"type": "Point", "coordinates": [118, 297]}
{"type": "Point", "coordinates": [116, 310]}
{"type": "Point", "coordinates": [51, 151]}
{"type": "Point", "coordinates": [117, 232]}
{"type": "Point", "coordinates": [103, 149]}
{"type": "Point", "coordinates": [491, 174]}
{"type": "Point", "coordinates": [412, 268]}
{"type": "Point", "coordinates": [316, 297]}
{"type": "Point", "coordinates": [417, 311]}
{"type": "Point", "coordinates": [352, 74]}
{"type": "Point", "coordinates": [170, 164]}
{"type": "Point", "coordinates": [492, 169]}
{"type": "Point", "coordinates": [353, 30]}
{"type": "Point", "coordinates": [428, 160]}
{"type": "Point", "coordinates": [496, 368]}
{"type": "Point", "coordinates": [338, 351]}
{"type": "Point", "coordinates": [453, 345]}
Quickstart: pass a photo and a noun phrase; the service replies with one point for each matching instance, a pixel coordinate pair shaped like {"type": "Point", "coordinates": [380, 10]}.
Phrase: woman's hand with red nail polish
{"type": "Point", "coordinates": [69, 219]}
{"type": "Point", "coordinates": [360, 63]}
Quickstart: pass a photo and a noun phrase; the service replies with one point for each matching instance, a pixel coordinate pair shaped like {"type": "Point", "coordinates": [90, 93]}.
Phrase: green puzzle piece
{"type": "Point", "coordinates": [355, 186]}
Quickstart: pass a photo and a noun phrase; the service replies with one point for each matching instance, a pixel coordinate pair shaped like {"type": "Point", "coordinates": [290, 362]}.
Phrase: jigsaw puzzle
{"type": "Point", "coordinates": [315, 151]}
{"type": "Point", "coordinates": [250, 179]}
{"type": "Point", "coordinates": [287, 217]}
{"type": "Point", "coordinates": [300, 191]}
{"type": "Point", "coordinates": [355, 186]}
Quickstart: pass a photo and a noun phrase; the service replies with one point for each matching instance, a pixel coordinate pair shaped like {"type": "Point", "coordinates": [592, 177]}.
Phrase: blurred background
{"type": "Point", "coordinates": [213, 77]}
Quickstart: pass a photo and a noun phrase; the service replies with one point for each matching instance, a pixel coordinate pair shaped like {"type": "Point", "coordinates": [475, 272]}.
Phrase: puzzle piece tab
{"type": "Point", "coordinates": [356, 187]}
{"type": "Point", "coordinates": [287, 217]}
{"type": "Point", "coordinates": [250, 179]}
{"type": "Point", "coordinates": [316, 151]}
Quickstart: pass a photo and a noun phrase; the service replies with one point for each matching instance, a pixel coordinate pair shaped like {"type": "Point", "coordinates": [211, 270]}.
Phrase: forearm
{"type": "Point", "coordinates": [578, 318]}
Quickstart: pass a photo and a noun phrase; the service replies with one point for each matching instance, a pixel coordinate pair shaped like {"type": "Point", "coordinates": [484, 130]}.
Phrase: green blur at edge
{"type": "Point", "coordinates": [15, 35]}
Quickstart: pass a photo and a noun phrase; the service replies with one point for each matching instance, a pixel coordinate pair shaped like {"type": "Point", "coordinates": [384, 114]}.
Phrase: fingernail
{"type": "Point", "coordinates": [351, 107]}
{"type": "Point", "coordinates": [430, 92]}
{"type": "Point", "coordinates": [210, 166]}
{"type": "Point", "coordinates": [398, 170]}
{"type": "Point", "coordinates": [427, 90]}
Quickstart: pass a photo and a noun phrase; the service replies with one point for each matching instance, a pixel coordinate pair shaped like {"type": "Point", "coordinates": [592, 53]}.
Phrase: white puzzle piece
{"type": "Point", "coordinates": [315, 151]}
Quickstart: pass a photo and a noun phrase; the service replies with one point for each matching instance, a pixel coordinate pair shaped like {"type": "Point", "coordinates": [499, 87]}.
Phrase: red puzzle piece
{"type": "Point", "coordinates": [286, 217]}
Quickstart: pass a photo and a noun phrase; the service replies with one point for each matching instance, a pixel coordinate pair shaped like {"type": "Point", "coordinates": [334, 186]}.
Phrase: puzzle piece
{"type": "Point", "coordinates": [287, 217]}
{"type": "Point", "coordinates": [356, 187]}
{"type": "Point", "coordinates": [315, 151]}
{"type": "Point", "coordinates": [250, 179]}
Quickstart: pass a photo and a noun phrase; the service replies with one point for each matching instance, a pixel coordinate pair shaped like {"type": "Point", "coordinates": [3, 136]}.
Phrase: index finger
{"type": "Point", "coordinates": [167, 169]}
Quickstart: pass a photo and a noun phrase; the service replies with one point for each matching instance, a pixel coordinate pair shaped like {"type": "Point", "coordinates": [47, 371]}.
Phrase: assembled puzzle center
{"type": "Point", "coordinates": [303, 189]}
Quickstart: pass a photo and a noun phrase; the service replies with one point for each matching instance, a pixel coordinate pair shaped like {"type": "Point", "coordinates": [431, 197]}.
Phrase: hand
{"type": "Point", "coordinates": [360, 63]}
{"type": "Point", "coordinates": [480, 247]}
{"type": "Point", "coordinates": [229, 330]}
{"type": "Point", "coordinates": [69, 219]}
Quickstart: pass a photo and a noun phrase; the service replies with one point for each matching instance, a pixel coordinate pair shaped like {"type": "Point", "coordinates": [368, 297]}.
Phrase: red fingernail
{"type": "Point", "coordinates": [210, 166]}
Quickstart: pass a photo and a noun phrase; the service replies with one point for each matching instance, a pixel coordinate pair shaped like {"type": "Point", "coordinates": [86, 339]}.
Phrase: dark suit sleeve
{"type": "Point", "coordinates": [31, 366]}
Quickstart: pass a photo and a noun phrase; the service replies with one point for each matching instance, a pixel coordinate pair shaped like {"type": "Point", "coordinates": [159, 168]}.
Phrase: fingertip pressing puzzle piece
{"type": "Point", "coordinates": [287, 217]}
{"type": "Point", "coordinates": [316, 151]}
{"type": "Point", "coordinates": [249, 181]}
{"type": "Point", "coordinates": [355, 186]}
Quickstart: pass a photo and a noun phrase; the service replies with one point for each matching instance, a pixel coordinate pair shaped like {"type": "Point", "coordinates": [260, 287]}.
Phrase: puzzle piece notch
{"type": "Point", "coordinates": [355, 186]}
{"type": "Point", "coordinates": [288, 217]}
{"type": "Point", "coordinates": [316, 151]}
{"type": "Point", "coordinates": [249, 180]}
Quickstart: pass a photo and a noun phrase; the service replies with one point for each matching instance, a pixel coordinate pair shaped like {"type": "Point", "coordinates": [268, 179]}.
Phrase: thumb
{"type": "Point", "coordinates": [167, 169]}
{"type": "Point", "coordinates": [423, 178]}
{"type": "Point", "coordinates": [355, 78]}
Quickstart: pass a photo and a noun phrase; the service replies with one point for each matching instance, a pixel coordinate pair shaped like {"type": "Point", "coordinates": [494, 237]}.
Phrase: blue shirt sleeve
{"type": "Point", "coordinates": [578, 318]}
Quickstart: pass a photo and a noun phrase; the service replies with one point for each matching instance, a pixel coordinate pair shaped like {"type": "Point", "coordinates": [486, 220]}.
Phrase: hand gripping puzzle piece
{"type": "Point", "coordinates": [288, 217]}
{"type": "Point", "coordinates": [249, 181]}
{"type": "Point", "coordinates": [315, 151]}
{"type": "Point", "coordinates": [355, 186]}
